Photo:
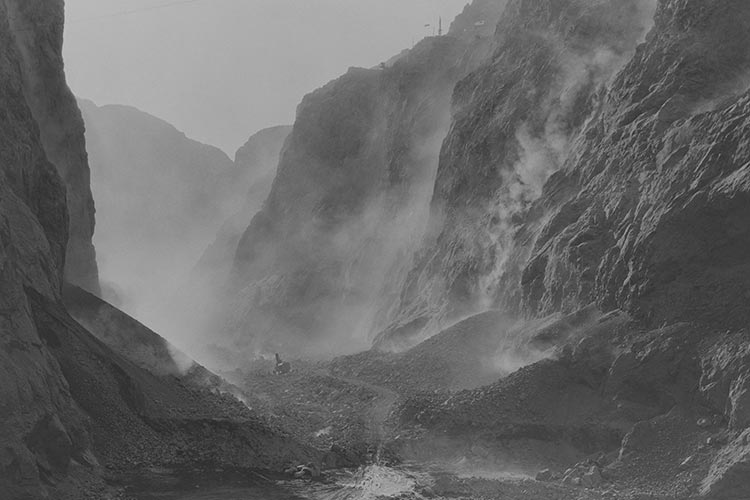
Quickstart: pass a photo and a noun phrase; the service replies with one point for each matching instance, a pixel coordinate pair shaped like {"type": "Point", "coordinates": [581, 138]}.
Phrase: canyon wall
{"type": "Point", "coordinates": [43, 430]}
{"type": "Point", "coordinates": [322, 264]}
{"type": "Point", "coordinates": [323, 260]}
{"type": "Point", "coordinates": [75, 403]}
{"type": "Point", "coordinates": [584, 166]}
{"type": "Point", "coordinates": [37, 30]}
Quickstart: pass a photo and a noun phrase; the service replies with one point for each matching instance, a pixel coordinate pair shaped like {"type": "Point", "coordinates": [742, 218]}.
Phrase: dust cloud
{"type": "Point", "coordinates": [542, 152]}
{"type": "Point", "coordinates": [162, 200]}
{"type": "Point", "coordinates": [178, 277]}
{"type": "Point", "coordinates": [353, 266]}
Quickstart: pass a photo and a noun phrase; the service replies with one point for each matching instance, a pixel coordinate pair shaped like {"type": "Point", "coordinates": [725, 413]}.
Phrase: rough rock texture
{"type": "Point", "coordinates": [161, 198]}
{"type": "Point", "coordinates": [626, 188]}
{"type": "Point", "coordinates": [611, 407]}
{"type": "Point", "coordinates": [150, 405]}
{"type": "Point", "coordinates": [69, 404]}
{"type": "Point", "coordinates": [516, 120]}
{"type": "Point", "coordinates": [645, 209]}
{"type": "Point", "coordinates": [43, 436]}
{"type": "Point", "coordinates": [473, 352]}
{"type": "Point", "coordinates": [327, 254]}
{"type": "Point", "coordinates": [656, 225]}
{"type": "Point", "coordinates": [37, 31]}
{"type": "Point", "coordinates": [478, 19]}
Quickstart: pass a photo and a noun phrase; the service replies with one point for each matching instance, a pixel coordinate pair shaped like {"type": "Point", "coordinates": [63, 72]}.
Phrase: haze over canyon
{"type": "Point", "coordinates": [509, 260]}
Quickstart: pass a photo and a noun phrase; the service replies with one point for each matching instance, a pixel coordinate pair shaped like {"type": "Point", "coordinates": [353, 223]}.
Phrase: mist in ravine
{"type": "Point", "coordinates": [170, 209]}
{"type": "Point", "coordinates": [164, 203]}
{"type": "Point", "coordinates": [304, 242]}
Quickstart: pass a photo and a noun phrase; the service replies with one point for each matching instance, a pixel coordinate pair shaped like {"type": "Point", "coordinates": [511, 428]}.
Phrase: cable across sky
{"type": "Point", "coordinates": [136, 11]}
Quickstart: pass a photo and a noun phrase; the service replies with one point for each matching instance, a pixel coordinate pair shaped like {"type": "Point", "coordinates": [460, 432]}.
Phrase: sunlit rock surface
{"type": "Point", "coordinates": [643, 151]}
{"type": "Point", "coordinates": [42, 431]}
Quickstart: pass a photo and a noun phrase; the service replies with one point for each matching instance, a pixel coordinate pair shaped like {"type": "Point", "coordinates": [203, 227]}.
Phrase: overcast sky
{"type": "Point", "coordinates": [220, 70]}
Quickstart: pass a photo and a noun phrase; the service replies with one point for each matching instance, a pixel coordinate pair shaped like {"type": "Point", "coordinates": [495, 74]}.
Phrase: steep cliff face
{"type": "Point", "coordinates": [190, 312]}
{"type": "Point", "coordinates": [37, 29]}
{"type": "Point", "coordinates": [42, 430]}
{"type": "Point", "coordinates": [257, 160]}
{"type": "Point", "coordinates": [580, 169]}
{"type": "Point", "coordinates": [326, 255]}
{"type": "Point", "coordinates": [71, 404]}
{"type": "Point", "coordinates": [655, 221]}
{"type": "Point", "coordinates": [161, 198]}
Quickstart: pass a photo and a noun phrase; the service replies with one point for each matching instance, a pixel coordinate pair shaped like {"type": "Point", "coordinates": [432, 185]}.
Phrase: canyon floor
{"type": "Point", "coordinates": [608, 410]}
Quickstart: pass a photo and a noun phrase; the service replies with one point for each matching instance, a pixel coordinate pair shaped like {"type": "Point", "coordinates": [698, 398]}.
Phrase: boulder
{"type": "Point", "coordinates": [592, 478]}
{"type": "Point", "coordinates": [545, 475]}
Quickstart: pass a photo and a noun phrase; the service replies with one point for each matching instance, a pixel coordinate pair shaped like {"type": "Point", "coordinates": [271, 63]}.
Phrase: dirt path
{"type": "Point", "coordinates": [386, 398]}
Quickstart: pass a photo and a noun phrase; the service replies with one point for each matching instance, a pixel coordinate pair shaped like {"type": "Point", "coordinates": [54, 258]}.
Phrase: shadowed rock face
{"type": "Point", "coordinates": [37, 32]}
{"type": "Point", "coordinates": [326, 256]}
{"type": "Point", "coordinates": [69, 404]}
{"type": "Point", "coordinates": [257, 160]}
{"type": "Point", "coordinates": [580, 169]}
{"type": "Point", "coordinates": [42, 430]}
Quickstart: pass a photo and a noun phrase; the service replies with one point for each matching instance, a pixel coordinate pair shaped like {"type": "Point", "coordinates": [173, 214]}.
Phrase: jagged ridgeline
{"type": "Point", "coordinates": [40, 123]}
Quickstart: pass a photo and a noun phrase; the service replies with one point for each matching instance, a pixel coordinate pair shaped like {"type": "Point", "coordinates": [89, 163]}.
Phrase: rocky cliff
{"type": "Point", "coordinates": [42, 431]}
{"type": "Point", "coordinates": [595, 162]}
{"type": "Point", "coordinates": [582, 167]}
{"type": "Point", "coordinates": [37, 30]}
{"type": "Point", "coordinates": [325, 257]}
{"type": "Point", "coordinates": [592, 165]}
{"type": "Point", "coordinates": [71, 405]}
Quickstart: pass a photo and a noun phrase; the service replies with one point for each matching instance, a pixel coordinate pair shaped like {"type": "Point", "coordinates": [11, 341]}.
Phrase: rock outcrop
{"type": "Point", "coordinates": [646, 156]}
{"type": "Point", "coordinates": [623, 187]}
{"type": "Point", "coordinates": [595, 163]}
{"type": "Point", "coordinates": [37, 31]}
{"type": "Point", "coordinates": [70, 405]}
{"type": "Point", "coordinates": [42, 432]}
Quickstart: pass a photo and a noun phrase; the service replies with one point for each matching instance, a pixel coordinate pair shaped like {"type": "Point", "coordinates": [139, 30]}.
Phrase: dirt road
{"type": "Point", "coordinates": [385, 400]}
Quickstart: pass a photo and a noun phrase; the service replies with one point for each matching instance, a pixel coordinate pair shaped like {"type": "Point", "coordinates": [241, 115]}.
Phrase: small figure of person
{"type": "Point", "coordinates": [282, 367]}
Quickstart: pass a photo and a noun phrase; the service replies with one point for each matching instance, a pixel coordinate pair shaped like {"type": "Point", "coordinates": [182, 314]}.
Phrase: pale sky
{"type": "Point", "coordinates": [219, 70]}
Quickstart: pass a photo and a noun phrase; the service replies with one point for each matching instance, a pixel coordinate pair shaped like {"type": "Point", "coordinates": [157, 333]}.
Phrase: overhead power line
{"type": "Point", "coordinates": [135, 11]}
{"type": "Point", "coordinates": [123, 13]}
